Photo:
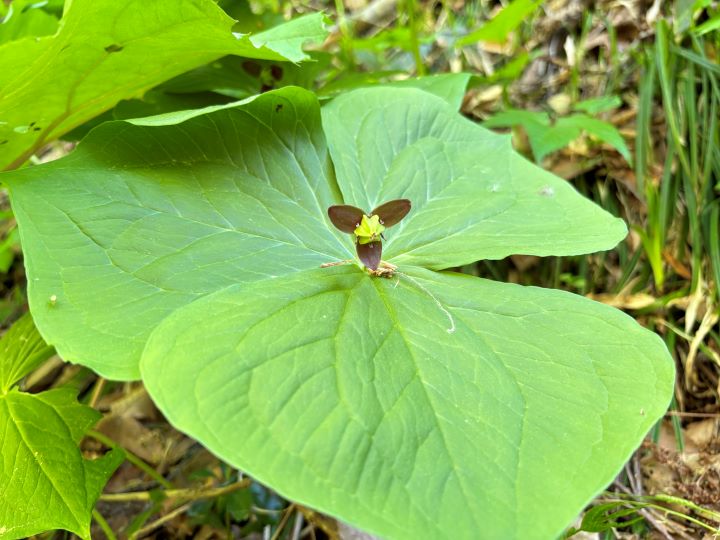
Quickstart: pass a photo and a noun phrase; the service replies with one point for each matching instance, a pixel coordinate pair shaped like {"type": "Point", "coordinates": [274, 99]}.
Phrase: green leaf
{"type": "Point", "coordinates": [427, 405]}
{"type": "Point", "coordinates": [26, 19]}
{"type": "Point", "coordinates": [507, 20]}
{"type": "Point", "coordinates": [604, 131]}
{"type": "Point", "coordinates": [708, 26]}
{"type": "Point", "coordinates": [473, 197]}
{"type": "Point", "coordinates": [120, 253]}
{"type": "Point", "coordinates": [22, 349]}
{"type": "Point", "coordinates": [188, 246]}
{"type": "Point", "coordinates": [47, 484]}
{"type": "Point", "coordinates": [448, 86]}
{"type": "Point", "coordinates": [45, 481]}
{"type": "Point", "coordinates": [106, 51]}
{"type": "Point", "coordinates": [547, 137]}
{"type": "Point", "coordinates": [607, 516]}
{"type": "Point", "coordinates": [598, 105]}
{"type": "Point", "coordinates": [288, 39]}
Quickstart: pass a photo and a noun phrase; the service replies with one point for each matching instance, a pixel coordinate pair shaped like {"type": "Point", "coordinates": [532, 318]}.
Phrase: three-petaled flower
{"type": "Point", "coordinates": [368, 228]}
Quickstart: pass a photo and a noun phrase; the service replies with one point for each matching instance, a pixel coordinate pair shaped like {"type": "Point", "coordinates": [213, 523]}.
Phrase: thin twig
{"type": "Point", "coordinates": [288, 512]}
{"type": "Point", "coordinates": [637, 473]}
{"type": "Point", "coordinates": [181, 494]}
{"type": "Point", "coordinates": [161, 521]}
{"type": "Point", "coordinates": [692, 414]}
{"type": "Point", "coordinates": [97, 391]}
{"type": "Point", "coordinates": [297, 526]}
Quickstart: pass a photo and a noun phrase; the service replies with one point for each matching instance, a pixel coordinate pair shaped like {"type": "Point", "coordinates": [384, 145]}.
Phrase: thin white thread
{"type": "Point", "coordinates": [431, 295]}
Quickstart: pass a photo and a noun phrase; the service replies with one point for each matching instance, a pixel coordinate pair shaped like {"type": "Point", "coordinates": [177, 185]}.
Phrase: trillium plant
{"type": "Point", "coordinates": [204, 253]}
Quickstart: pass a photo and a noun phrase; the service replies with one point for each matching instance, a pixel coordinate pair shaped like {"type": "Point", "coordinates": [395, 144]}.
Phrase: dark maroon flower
{"type": "Point", "coordinates": [368, 228]}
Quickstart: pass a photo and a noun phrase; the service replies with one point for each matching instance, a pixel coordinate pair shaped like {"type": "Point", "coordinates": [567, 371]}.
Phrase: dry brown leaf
{"type": "Point", "coordinates": [525, 262]}
{"type": "Point", "coordinates": [624, 301]}
{"type": "Point", "coordinates": [702, 433]}
{"type": "Point", "coordinates": [134, 436]}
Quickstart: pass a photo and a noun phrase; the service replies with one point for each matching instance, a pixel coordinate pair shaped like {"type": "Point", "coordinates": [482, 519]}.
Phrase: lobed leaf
{"type": "Point", "coordinates": [45, 483]}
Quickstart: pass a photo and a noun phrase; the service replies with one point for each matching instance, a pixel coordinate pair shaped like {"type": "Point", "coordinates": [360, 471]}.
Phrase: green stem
{"type": "Point", "coordinates": [132, 458]}
{"type": "Point", "coordinates": [346, 37]}
{"type": "Point", "coordinates": [100, 520]}
{"type": "Point", "coordinates": [189, 494]}
{"type": "Point", "coordinates": [411, 7]}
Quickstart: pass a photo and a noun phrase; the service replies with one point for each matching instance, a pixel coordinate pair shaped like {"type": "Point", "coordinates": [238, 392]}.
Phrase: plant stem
{"type": "Point", "coordinates": [132, 458]}
{"type": "Point", "coordinates": [190, 494]}
{"type": "Point", "coordinates": [160, 521]}
{"type": "Point", "coordinates": [283, 522]}
{"type": "Point", "coordinates": [345, 34]}
{"type": "Point", "coordinates": [411, 8]}
{"type": "Point", "coordinates": [97, 391]}
{"type": "Point", "coordinates": [100, 520]}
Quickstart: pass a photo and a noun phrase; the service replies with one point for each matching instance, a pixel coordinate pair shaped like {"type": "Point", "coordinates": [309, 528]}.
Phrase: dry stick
{"type": "Point", "coordinates": [692, 414]}
{"type": "Point", "coordinates": [335, 263]}
{"type": "Point", "coordinates": [297, 526]}
{"type": "Point", "coordinates": [283, 522]}
{"type": "Point", "coordinates": [708, 321]}
{"type": "Point", "coordinates": [265, 511]}
{"type": "Point", "coordinates": [631, 479]}
{"type": "Point", "coordinates": [161, 520]}
{"type": "Point", "coordinates": [190, 494]}
{"type": "Point", "coordinates": [97, 390]}
{"type": "Point", "coordinates": [637, 472]}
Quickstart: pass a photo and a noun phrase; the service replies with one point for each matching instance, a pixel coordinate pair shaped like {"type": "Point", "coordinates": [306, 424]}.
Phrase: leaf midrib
{"type": "Point", "coordinates": [399, 328]}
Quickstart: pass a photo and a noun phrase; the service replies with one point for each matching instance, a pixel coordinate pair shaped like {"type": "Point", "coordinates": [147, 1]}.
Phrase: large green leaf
{"type": "Point", "coordinates": [428, 405]}
{"type": "Point", "coordinates": [25, 18]}
{"type": "Point", "coordinates": [107, 50]}
{"type": "Point", "coordinates": [473, 197]}
{"type": "Point", "coordinates": [45, 483]}
{"type": "Point", "coordinates": [426, 402]}
{"type": "Point", "coordinates": [123, 239]}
